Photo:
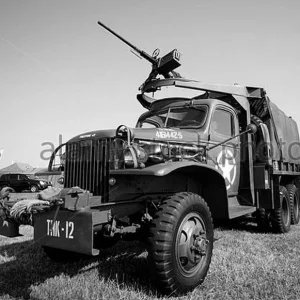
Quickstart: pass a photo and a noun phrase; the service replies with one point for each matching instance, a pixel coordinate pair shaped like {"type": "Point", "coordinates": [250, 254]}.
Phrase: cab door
{"type": "Point", "coordinates": [226, 157]}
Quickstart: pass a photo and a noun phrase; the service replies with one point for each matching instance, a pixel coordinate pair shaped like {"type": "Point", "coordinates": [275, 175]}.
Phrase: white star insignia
{"type": "Point", "coordinates": [226, 163]}
{"type": "Point", "coordinates": [226, 169]}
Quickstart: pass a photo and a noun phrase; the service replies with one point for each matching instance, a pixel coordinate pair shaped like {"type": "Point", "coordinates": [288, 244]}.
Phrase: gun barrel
{"type": "Point", "coordinates": [143, 54]}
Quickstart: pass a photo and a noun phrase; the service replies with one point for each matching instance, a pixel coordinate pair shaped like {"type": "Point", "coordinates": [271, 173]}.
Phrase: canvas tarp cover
{"type": "Point", "coordinates": [287, 136]}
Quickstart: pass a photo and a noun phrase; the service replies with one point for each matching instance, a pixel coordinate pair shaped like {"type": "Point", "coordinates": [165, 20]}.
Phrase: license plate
{"type": "Point", "coordinates": [60, 229]}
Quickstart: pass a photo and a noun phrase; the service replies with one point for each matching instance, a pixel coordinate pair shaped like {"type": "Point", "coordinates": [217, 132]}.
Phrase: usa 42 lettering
{"type": "Point", "coordinates": [169, 135]}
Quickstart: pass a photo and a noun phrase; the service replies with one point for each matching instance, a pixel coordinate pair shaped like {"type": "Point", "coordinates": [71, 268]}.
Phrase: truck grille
{"type": "Point", "coordinates": [87, 166]}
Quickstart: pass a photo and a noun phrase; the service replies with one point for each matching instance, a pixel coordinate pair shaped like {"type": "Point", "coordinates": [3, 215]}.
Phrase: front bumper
{"type": "Point", "coordinates": [69, 230]}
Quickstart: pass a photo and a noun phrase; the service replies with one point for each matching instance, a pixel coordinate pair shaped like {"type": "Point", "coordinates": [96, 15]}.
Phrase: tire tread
{"type": "Point", "coordinates": [161, 238]}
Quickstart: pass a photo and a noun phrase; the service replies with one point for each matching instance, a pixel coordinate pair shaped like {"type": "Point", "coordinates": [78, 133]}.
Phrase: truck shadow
{"type": "Point", "coordinates": [240, 224]}
{"type": "Point", "coordinates": [25, 264]}
{"type": "Point", "coordinates": [126, 264]}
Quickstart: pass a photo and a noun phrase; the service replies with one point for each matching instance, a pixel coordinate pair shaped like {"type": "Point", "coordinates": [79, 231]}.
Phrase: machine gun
{"type": "Point", "coordinates": [164, 66]}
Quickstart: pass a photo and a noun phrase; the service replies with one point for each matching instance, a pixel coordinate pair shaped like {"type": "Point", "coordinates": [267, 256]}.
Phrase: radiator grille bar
{"type": "Point", "coordinates": [87, 166]}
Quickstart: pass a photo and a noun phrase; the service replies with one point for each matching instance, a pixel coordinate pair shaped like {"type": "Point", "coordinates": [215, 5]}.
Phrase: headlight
{"type": "Point", "coordinates": [141, 153]}
{"type": "Point", "coordinates": [129, 158]}
{"type": "Point", "coordinates": [61, 180]}
{"type": "Point", "coordinates": [155, 152]}
{"type": "Point", "coordinates": [42, 182]}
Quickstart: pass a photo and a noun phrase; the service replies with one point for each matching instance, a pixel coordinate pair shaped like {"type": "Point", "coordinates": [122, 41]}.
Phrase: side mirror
{"type": "Point", "coordinates": [251, 128]}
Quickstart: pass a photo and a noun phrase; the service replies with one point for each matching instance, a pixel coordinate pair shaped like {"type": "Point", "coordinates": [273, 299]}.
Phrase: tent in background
{"type": "Point", "coordinates": [17, 167]}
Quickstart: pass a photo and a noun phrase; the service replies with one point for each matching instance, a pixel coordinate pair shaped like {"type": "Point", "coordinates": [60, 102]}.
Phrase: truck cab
{"type": "Point", "coordinates": [208, 121]}
{"type": "Point", "coordinates": [212, 120]}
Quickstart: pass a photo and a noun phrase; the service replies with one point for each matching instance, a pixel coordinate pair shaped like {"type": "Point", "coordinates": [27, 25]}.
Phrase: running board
{"type": "Point", "coordinates": [240, 210]}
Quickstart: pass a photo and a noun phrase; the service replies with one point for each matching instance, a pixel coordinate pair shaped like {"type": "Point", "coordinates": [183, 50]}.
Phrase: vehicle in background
{"type": "Point", "coordinates": [40, 179]}
{"type": "Point", "coordinates": [21, 182]}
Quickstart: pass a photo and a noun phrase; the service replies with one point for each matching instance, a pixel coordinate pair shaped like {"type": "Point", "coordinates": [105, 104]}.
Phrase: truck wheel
{"type": "Point", "coordinates": [59, 255]}
{"type": "Point", "coordinates": [281, 218]}
{"type": "Point", "coordinates": [294, 202]}
{"type": "Point", "coordinates": [34, 189]}
{"type": "Point", "coordinates": [180, 243]}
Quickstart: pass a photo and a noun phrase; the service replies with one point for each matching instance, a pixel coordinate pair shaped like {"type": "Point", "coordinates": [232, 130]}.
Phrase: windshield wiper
{"type": "Point", "coordinates": [167, 117]}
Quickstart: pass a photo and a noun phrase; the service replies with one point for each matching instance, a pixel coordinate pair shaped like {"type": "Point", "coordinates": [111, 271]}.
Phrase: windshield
{"type": "Point", "coordinates": [183, 117]}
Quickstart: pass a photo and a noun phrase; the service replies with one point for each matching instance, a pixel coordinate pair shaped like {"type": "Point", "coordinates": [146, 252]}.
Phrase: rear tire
{"type": "Point", "coordinates": [281, 217]}
{"type": "Point", "coordinates": [180, 243]}
{"type": "Point", "coordinates": [293, 193]}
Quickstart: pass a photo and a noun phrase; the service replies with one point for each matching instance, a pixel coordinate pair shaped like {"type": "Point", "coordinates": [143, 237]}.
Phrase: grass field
{"type": "Point", "coordinates": [245, 265]}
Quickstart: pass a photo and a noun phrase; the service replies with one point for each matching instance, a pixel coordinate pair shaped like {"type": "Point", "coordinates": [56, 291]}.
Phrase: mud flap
{"type": "Point", "coordinates": [69, 230]}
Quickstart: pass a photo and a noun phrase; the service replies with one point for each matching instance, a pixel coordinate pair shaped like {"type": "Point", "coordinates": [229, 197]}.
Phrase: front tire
{"type": "Point", "coordinates": [181, 243]}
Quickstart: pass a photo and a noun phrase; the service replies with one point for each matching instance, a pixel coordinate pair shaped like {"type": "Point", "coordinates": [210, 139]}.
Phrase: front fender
{"type": "Point", "coordinates": [164, 169]}
{"type": "Point", "coordinates": [208, 182]}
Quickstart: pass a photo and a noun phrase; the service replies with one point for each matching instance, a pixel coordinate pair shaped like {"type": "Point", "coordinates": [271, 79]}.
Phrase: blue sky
{"type": "Point", "coordinates": [62, 74]}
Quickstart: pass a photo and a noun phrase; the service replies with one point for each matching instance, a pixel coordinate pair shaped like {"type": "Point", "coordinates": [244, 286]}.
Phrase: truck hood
{"type": "Point", "coordinates": [154, 134]}
{"type": "Point", "coordinates": [94, 135]}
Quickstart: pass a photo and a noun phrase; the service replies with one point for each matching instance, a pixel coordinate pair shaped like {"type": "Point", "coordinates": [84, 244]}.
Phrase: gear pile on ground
{"type": "Point", "coordinates": [21, 211]}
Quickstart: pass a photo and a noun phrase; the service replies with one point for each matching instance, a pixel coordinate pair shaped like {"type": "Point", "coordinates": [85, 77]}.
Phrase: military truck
{"type": "Point", "coordinates": [224, 153]}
